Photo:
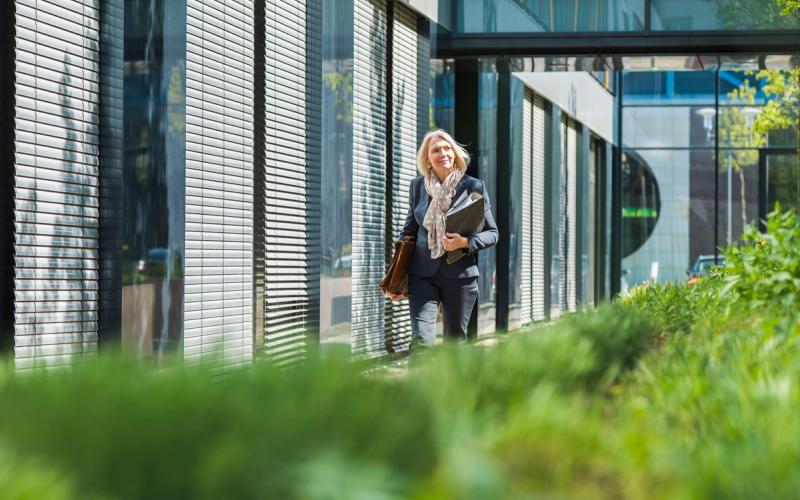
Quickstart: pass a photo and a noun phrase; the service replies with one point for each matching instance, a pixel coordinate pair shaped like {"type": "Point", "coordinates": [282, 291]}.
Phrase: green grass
{"type": "Point", "coordinates": [672, 392]}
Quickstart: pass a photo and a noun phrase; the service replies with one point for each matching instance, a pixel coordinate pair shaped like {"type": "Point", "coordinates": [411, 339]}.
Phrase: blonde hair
{"type": "Point", "coordinates": [461, 159]}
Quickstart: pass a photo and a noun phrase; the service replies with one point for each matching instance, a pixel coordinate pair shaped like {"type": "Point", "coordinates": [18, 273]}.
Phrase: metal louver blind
{"type": "Point", "coordinates": [291, 180]}
{"type": "Point", "coordinates": [539, 165]}
{"type": "Point", "coordinates": [219, 181]}
{"type": "Point", "coordinates": [527, 171]}
{"type": "Point", "coordinates": [572, 223]}
{"type": "Point", "coordinates": [369, 184]}
{"type": "Point", "coordinates": [56, 218]}
{"type": "Point", "coordinates": [404, 161]}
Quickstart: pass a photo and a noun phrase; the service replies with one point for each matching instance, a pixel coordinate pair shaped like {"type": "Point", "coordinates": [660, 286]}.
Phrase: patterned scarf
{"type": "Point", "coordinates": [441, 197]}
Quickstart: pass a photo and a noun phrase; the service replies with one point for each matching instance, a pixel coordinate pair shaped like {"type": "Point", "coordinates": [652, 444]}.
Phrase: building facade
{"type": "Point", "coordinates": [220, 180]}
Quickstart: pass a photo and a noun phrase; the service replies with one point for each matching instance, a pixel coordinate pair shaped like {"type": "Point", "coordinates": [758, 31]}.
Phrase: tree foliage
{"type": "Point", "coordinates": [789, 7]}
{"type": "Point", "coordinates": [782, 90]}
{"type": "Point", "coordinates": [757, 14]}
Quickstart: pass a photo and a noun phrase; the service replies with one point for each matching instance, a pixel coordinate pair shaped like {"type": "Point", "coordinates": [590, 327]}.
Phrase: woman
{"type": "Point", "coordinates": [442, 164]}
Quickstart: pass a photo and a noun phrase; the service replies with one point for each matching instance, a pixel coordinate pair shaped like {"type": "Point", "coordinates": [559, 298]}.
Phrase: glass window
{"type": "Point", "coordinates": [669, 87]}
{"type": "Point", "coordinates": [736, 127]}
{"type": "Point", "coordinates": [668, 126]}
{"type": "Point", "coordinates": [515, 207]}
{"type": "Point", "coordinates": [336, 261]}
{"type": "Point", "coordinates": [730, 83]}
{"type": "Point", "coordinates": [695, 85]}
{"type": "Point", "coordinates": [590, 223]}
{"type": "Point", "coordinates": [541, 16]}
{"type": "Point", "coordinates": [644, 83]}
{"type": "Point", "coordinates": [702, 170]}
{"type": "Point", "coordinates": [668, 213]}
{"type": "Point", "coordinates": [487, 165]}
{"type": "Point", "coordinates": [443, 96]}
{"type": "Point", "coordinates": [688, 15]}
{"type": "Point", "coordinates": [738, 193]}
{"type": "Point", "coordinates": [783, 182]}
{"type": "Point", "coordinates": [784, 137]}
{"type": "Point", "coordinates": [153, 189]}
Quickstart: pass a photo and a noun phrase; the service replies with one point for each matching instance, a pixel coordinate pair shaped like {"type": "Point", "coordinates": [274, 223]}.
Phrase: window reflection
{"type": "Point", "coordinates": [493, 16]}
{"type": "Point", "coordinates": [443, 97]}
{"type": "Point", "coordinates": [336, 261]}
{"type": "Point", "coordinates": [514, 207]}
{"type": "Point", "coordinates": [590, 225]}
{"type": "Point", "coordinates": [656, 226]}
{"type": "Point", "coordinates": [487, 172]}
{"type": "Point", "coordinates": [674, 123]}
{"type": "Point", "coordinates": [153, 176]}
{"type": "Point", "coordinates": [686, 15]}
{"type": "Point", "coordinates": [783, 180]}
{"type": "Point", "coordinates": [738, 193]}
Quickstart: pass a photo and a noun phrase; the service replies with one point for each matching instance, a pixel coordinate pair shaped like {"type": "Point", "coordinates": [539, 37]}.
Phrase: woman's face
{"type": "Point", "coordinates": [440, 154]}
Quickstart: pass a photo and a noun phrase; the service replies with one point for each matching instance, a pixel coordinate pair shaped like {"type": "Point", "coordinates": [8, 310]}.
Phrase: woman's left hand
{"type": "Point", "coordinates": [454, 241]}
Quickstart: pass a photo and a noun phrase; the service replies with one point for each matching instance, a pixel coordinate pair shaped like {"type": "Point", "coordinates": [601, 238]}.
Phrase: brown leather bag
{"type": "Point", "coordinates": [396, 280]}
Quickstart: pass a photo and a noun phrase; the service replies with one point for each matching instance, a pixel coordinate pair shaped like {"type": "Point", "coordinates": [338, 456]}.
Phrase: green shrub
{"type": "Point", "coordinates": [322, 430]}
{"type": "Point", "coordinates": [25, 478]}
{"type": "Point", "coordinates": [764, 271]}
{"type": "Point", "coordinates": [582, 408]}
{"type": "Point", "coordinates": [584, 352]}
{"type": "Point", "coordinates": [675, 307]}
{"type": "Point", "coordinates": [127, 431]}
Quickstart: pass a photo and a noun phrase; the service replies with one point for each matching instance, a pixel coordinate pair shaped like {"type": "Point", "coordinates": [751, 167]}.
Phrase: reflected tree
{"type": "Point", "coordinates": [781, 112]}
{"type": "Point", "coordinates": [782, 89]}
{"type": "Point", "coordinates": [790, 8]}
{"type": "Point", "coordinates": [737, 127]}
{"type": "Point", "coordinates": [757, 14]}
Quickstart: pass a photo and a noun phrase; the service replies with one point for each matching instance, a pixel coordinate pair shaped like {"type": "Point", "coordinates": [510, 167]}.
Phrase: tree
{"type": "Point", "coordinates": [782, 93]}
{"type": "Point", "coordinates": [757, 14]}
{"type": "Point", "coordinates": [782, 89]}
{"type": "Point", "coordinates": [790, 8]}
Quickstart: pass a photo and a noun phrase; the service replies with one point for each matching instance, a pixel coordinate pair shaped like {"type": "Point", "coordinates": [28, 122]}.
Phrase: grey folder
{"type": "Point", "coordinates": [466, 218]}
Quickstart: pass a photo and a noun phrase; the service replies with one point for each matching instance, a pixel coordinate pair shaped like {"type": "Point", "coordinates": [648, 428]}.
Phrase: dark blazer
{"type": "Point", "coordinates": [421, 263]}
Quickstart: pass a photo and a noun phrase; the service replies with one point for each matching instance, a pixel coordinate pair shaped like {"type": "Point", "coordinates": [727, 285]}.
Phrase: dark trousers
{"type": "Point", "coordinates": [457, 298]}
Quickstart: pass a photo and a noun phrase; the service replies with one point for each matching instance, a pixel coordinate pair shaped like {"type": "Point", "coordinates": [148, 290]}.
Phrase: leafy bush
{"type": "Point", "coordinates": [583, 408]}
{"type": "Point", "coordinates": [584, 352]}
{"type": "Point", "coordinates": [127, 431]}
{"type": "Point", "coordinates": [24, 478]}
{"type": "Point", "coordinates": [765, 270]}
{"type": "Point", "coordinates": [318, 431]}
